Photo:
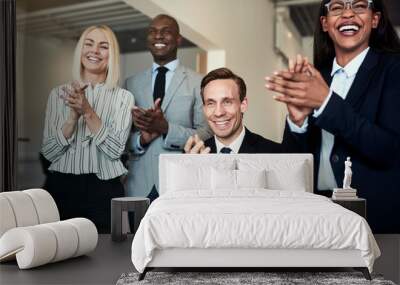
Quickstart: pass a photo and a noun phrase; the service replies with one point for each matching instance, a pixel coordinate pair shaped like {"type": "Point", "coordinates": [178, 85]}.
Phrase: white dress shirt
{"type": "Point", "coordinates": [342, 81]}
{"type": "Point", "coordinates": [234, 146]}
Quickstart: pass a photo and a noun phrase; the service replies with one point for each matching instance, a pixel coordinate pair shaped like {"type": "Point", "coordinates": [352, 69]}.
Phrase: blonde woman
{"type": "Point", "coordinates": [86, 127]}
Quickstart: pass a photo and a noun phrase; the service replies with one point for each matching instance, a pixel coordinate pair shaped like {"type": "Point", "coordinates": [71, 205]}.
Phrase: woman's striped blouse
{"type": "Point", "coordinates": [86, 152]}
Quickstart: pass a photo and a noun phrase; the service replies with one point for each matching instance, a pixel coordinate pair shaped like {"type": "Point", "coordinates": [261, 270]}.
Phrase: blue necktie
{"type": "Point", "coordinates": [225, 150]}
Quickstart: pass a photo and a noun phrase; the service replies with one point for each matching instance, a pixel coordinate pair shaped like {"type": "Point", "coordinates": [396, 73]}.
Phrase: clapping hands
{"type": "Point", "coordinates": [151, 122]}
{"type": "Point", "coordinates": [74, 97]}
{"type": "Point", "coordinates": [301, 87]}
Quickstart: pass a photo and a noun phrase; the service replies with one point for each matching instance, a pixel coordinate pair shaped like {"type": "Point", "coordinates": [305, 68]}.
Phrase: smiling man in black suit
{"type": "Point", "coordinates": [224, 103]}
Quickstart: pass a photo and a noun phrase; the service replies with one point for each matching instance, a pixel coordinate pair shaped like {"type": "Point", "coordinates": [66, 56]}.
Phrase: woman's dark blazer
{"type": "Point", "coordinates": [366, 126]}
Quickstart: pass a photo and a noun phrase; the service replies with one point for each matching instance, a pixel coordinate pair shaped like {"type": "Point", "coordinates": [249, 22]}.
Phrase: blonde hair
{"type": "Point", "coordinates": [113, 69]}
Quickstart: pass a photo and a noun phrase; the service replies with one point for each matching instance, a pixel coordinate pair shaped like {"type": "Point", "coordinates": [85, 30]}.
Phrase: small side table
{"type": "Point", "coordinates": [358, 206]}
{"type": "Point", "coordinates": [138, 205]}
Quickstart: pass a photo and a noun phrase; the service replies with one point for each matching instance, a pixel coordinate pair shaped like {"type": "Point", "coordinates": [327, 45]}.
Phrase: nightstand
{"type": "Point", "coordinates": [358, 206]}
{"type": "Point", "coordinates": [138, 205]}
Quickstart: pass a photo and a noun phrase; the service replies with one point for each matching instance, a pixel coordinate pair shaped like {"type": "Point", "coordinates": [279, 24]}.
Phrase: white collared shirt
{"type": "Point", "coordinates": [343, 78]}
{"type": "Point", "coordinates": [234, 146]}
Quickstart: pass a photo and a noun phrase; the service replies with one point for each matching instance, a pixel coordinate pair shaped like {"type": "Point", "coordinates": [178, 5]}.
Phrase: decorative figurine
{"type": "Point", "coordinates": [347, 174]}
{"type": "Point", "coordinates": [347, 192]}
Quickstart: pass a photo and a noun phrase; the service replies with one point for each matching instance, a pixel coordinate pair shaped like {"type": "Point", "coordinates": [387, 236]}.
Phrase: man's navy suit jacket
{"type": "Point", "coordinates": [366, 127]}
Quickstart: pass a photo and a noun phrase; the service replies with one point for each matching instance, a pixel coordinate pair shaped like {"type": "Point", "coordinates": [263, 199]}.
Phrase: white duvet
{"type": "Point", "coordinates": [252, 218]}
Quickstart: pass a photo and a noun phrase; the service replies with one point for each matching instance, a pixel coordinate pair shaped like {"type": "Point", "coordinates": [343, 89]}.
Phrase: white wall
{"type": "Point", "coordinates": [48, 63]}
{"type": "Point", "coordinates": [244, 31]}
{"type": "Point", "coordinates": [42, 65]}
{"type": "Point", "coordinates": [132, 63]}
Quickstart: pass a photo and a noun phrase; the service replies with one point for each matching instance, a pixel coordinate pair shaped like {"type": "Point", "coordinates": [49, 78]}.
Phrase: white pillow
{"type": "Point", "coordinates": [223, 179]}
{"type": "Point", "coordinates": [236, 179]}
{"type": "Point", "coordinates": [291, 180]}
{"type": "Point", "coordinates": [280, 174]}
{"type": "Point", "coordinates": [186, 176]}
{"type": "Point", "coordinates": [251, 178]}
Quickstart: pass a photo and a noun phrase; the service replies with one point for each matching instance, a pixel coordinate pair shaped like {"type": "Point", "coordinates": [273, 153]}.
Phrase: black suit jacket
{"type": "Point", "coordinates": [366, 127]}
{"type": "Point", "coordinates": [254, 143]}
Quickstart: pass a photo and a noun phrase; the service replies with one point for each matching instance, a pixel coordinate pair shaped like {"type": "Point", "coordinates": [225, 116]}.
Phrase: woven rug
{"type": "Point", "coordinates": [243, 278]}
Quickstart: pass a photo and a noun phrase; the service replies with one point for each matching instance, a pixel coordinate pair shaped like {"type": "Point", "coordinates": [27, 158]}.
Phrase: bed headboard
{"type": "Point", "coordinates": [297, 166]}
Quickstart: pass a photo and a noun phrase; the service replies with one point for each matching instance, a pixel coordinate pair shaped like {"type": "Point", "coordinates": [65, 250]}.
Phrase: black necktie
{"type": "Point", "coordinates": [159, 84]}
{"type": "Point", "coordinates": [225, 150]}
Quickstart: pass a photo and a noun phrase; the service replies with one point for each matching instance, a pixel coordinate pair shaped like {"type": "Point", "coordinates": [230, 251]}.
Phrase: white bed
{"type": "Point", "coordinates": [247, 210]}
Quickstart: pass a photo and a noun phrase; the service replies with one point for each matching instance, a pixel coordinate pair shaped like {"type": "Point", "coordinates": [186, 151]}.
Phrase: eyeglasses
{"type": "Point", "coordinates": [337, 7]}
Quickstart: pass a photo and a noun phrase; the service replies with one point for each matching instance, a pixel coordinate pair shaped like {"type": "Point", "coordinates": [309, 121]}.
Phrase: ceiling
{"type": "Point", "coordinates": [66, 19]}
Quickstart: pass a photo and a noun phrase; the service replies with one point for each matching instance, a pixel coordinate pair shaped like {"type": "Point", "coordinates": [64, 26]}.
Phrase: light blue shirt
{"type": "Point", "coordinates": [172, 66]}
{"type": "Point", "coordinates": [342, 81]}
